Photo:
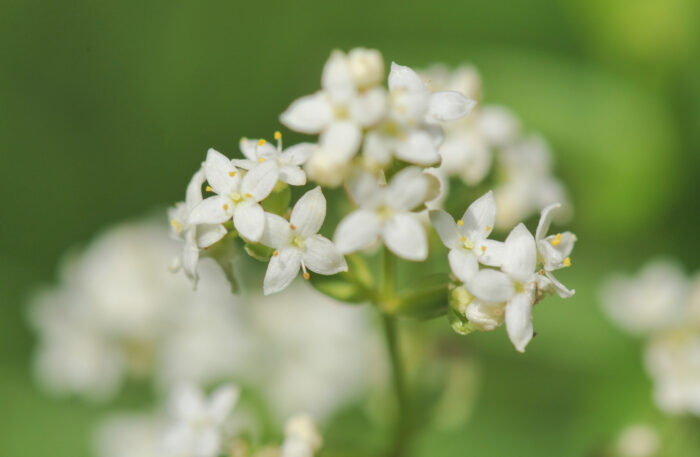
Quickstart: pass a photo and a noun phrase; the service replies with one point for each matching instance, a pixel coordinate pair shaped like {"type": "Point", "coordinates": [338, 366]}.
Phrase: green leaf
{"type": "Point", "coordinates": [353, 286]}
{"type": "Point", "coordinates": [426, 300]}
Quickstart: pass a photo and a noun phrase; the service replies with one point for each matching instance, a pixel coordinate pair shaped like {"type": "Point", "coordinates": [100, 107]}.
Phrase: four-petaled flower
{"type": "Point", "coordinates": [298, 245]}
{"type": "Point", "coordinates": [195, 237]}
{"type": "Point", "coordinates": [236, 196]}
{"type": "Point", "coordinates": [286, 161]}
{"type": "Point", "coordinates": [554, 250]}
{"type": "Point", "coordinates": [467, 238]}
{"type": "Point", "coordinates": [385, 211]}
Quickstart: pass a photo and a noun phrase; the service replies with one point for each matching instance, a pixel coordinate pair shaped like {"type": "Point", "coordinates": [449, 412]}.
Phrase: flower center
{"type": "Point", "coordinates": [466, 243]}
{"type": "Point", "coordinates": [298, 241]}
{"type": "Point", "coordinates": [385, 213]}
{"type": "Point", "coordinates": [236, 197]}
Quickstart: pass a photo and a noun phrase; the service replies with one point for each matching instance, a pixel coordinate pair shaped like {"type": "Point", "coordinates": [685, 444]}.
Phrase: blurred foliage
{"type": "Point", "coordinates": [108, 107]}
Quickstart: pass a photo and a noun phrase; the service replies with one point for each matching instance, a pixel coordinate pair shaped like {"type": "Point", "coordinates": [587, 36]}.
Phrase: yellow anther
{"type": "Point", "coordinates": [278, 135]}
{"type": "Point", "coordinates": [232, 173]}
{"type": "Point", "coordinates": [261, 142]}
{"type": "Point", "coordinates": [462, 238]}
{"type": "Point", "coordinates": [225, 207]}
{"type": "Point", "coordinates": [556, 240]}
{"type": "Point", "coordinates": [488, 227]}
{"type": "Point", "coordinates": [567, 262]}
{"type": "Point", "coordinates": [261, 159]}
{"type": "Point", "coordinates": [483, 248]}
{"type": "Point", "coordinates": [306, 275]}
{"type": "Point", "coordinates": [542, 271]}
{"type": "Point", "coordinates": [276, 253]}
{"type": "Point", "coordinates": [208, 189]}
{"type": "Point", "coordinates": [292, 226]}
{"type": "Point", "coordinates": [460, 223]}
{"type": "Point", "coordinates": [176, 225]}
{"type": "Point", "coordinates": [248, 196]}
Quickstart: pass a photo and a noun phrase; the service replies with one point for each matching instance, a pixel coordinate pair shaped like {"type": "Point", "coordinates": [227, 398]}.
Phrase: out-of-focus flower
{"type": "Point", "coordinates": [553, 251]}
{"type": "Point", "coordinates": [301, 437]}
{"type": "Point", "coordinates": [298, 245]}
{"type": "Point", "coordinates": [385, 211]}
{"type": "Point", "coordinates": [236, 196]}
{"type": "Point", "coordinates": [656, 299]}
{"type": "Point", "coordinates": [467, 238]}
{"type": "Point", "coordinates": [197, 421]}
{"type": "Point", "coordinates": [638, 440]}
{"type": "Point", "coordinates": [287, 161]}
{"type": "Point", "coordinates": [129, 435]}
{"type": "Point", "coordinates": [195, 237]}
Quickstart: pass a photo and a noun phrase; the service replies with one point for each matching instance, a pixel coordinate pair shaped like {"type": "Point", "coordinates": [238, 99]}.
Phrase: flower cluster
{"type": "Point", "coordinates": [394, 149]}
{"type": "Point", "coordinates": [488, 297]}
{"type": "Point", "coordinates": [662, 305]}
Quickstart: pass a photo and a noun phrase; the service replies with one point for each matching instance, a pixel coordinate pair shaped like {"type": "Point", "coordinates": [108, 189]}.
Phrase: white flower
{"type": "Point", "coordinates": [385, 212]}
{"type": "Point", "coordinates": [287, 162]}
{"type": "Point", "coordinates": [516, 285]}
{"type": "Point", "coordinates": [464, 79]}
{"type": "Point", "coordinates": [467, 238]}
{"type": "Point", "coordinates": [301, 437]}
{"type": "Point", "coordinates": [330, 159]}
{"type": "Point", "coordinates": [554, 250]}
{"type": "Point", "coordinates": [465, 154]}
{"type": "Point", "coordinates": [129, 435]}
{"type": "Point", "coordinates": [638, 440]}
{"type": "Point", "coordinates": [236, 196]}
{"type": "Point", "coordinates": [656, 299]}
{"type": "Point", "coordinates": [197, 421]}
{"type": "Point", "coordinates": [195, 237]}
{"type": "Point", "coordinates": [411, 132]}
{"type": "Point", "coordinates": [673, 360]}
{"type": "Point", "coordinates": [298, 244]}
{"type": "Point", "coordinates": [346, 95]}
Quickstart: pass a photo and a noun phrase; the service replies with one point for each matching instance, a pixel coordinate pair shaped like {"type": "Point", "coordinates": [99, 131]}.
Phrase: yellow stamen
{"type": "Point", "coordinates": [248, 196]}
{"type": "Point", "coordinates": [542, 271]}
{"type": "Point", "coordinates": [292, 226]}
{"type": "Point", "coordinates": [225, 206]}
{"type": "Point", "coordinates": [208, 189]}
{"type": "Point", "coordinates": [276, 253]}
{"type": "Point", "coordinates": [462, 239]}
{"type": "Point", "coordinates": [567, 262]}
{"type": "Point", "coordinates": [460, 223]}
{"type": "Point", "coordinates": [278, 135]}
{"type": "Point", "coordinates": [261, 159]}
{"type": "Point", "coordinates": [261, 142]}
{"type": "Point", "coordinates": [232, 173]}
{"type": "Point", "coordinates": [556, 240]}
{"type": "Point", "coordinates": [488, 227]}
{"type": "Point", "coordinates": [176, 225]}
{"type": "Point", "coordinates": [306, 275]}
{"type": "Point", "coordinates": [483, 248]}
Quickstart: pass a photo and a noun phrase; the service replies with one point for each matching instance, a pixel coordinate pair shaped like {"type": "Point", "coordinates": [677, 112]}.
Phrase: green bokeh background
{"type": "Point", "coordinates": [107, 107]}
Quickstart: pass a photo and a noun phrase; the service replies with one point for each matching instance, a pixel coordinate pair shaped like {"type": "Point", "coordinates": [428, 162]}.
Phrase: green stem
{"type": "Point", "coordinates": [403, 421]}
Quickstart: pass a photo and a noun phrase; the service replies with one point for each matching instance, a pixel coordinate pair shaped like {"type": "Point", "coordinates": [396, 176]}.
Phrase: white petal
{"type": "Point", "coordinates": [553, 256]}
{"type": "Point", "coordinates": [479, 219]}
{"type": "Point", "coordinates": [363, 188]}
{"type": "Point", "coordinates": [220, 172]}
{"type": "Point", "coordinates": [249, 220]}
{"type": "Point", "coordinates": [448, 106]}
{"type": "Point", "coordinates": [408, 188]}
{"type": "Point", "coordinates": [463, 264]}
{"type": "Point", "coordinates": [402, 77]}
{"type": "Point", "coordinates": [244, 164]}
{"type": "Point", "coordinates": [206, 443]}
{"type": "Point", "coordinates": [292, 175]}
{"type": "Point", "coordinates": [491, 286]}
{"type": "Point", "coordinates": [369, 107]}
{"type": "Point", "coordinates": [208, 234]}
{"type": "Point", "coordinates": [186, 401]}
{"type": "Point", "coordinates": [336, 78]}
{"type": "Point", "coordinates": [309, 114]}
{"type": "Point", "coordinates": [194, 190]}
{"type": "Point", "coordinates": [309, 212]}
{"type": "Point", "coordinates": [418, 148]}
{"type": "Point", "coordinates": [377, 149]}
{"type": "Point", "coordinates": [190, 257]}
{"type": "Point", "coordinates": [405, 236]}
{"type": "Point", "coordinates": [545, 220]}
{"type": "Point", "coordinates": [321, 256]}
{"type": "Point", "coordinates": [445, 227]}
{"type": "Point", "coordinates": [222, 400]}
{"type": "Point", "coordinates": [282, 270]}
{"type": "Point", "coordinates": [519, 321]}
{"type": "Point", "coordinates": [297, 154]}
{"type": "Point", "coordinates": [212, 210]}
{"type": "Point", "coordinates": [342, 139]}
{"type": "Point", "coordinates": [356, 231]}
{"type": "Point", "coordinates": [485, 316]}
{"type": "Point", "coordinates": [276, 233]}
{"type": "Point", "coordinates": [249, 148]}
{"type": "Point", "coordinates": [260, 181]}
{"type": "Point", "coordinates": [520, 253]}
{"type": "Point", "coordinates": [562, 290]}
{"type": "Point", "coordinates": [491, 252]}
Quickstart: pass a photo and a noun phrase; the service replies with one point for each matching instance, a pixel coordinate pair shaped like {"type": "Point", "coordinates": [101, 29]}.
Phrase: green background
{"type": "Point", "coordinates": [106, 108]}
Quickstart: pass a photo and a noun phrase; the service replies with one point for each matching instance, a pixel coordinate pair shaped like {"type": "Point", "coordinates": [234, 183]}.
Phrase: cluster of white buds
{"type": "Point", "coordinates": [662, 305]}
{"type": "Point", "coordinates": [394, 149]}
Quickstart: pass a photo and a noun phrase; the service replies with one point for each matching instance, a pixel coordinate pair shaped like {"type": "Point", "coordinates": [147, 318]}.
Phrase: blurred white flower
{"type": "Point", "coordinates": [195, 237]}
{"type": "Point", "coordinates": [385, 211]}
{"type": "Point", "coordinates": [236, 196]}
{"type": "Point", "coordinates": [287, 161]}
{"type": "Point", "coordinates": [467, 238]}
{"type": "Point", "coordinates": [638, 440]}
{"type": "Point", "coordinates": [298, 245]}
{"type": "Point", "coordinates": [553, 251]}
{"type": "Point", "coordinates": [655, 299]}
{"type": "Point", "coordinates": [129, 435]}
{"type": "Point", "coordinates": [197, 421]}
{"type": "Point", "coordinates": [301, 437]}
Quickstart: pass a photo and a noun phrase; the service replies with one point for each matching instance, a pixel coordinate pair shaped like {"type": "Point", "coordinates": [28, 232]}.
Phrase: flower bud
{"type": "Point", "coordinates": [366, 67]}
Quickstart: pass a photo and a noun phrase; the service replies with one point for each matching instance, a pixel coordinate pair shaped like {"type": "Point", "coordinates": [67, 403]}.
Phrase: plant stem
{"type": "Point", "coordinates": [403, 421]}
